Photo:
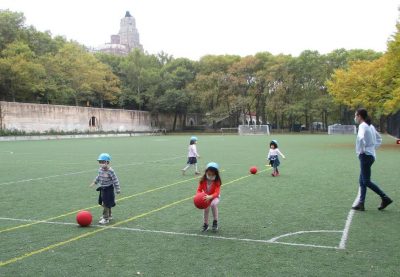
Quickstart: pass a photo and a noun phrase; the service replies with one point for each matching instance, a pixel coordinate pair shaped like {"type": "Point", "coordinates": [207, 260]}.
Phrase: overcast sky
{"type": "Point", "coordinates": [190, 28]}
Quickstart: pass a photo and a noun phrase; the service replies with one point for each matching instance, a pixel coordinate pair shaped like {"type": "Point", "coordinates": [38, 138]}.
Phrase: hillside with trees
{"type": "Point", "coordinates": [282, 90]}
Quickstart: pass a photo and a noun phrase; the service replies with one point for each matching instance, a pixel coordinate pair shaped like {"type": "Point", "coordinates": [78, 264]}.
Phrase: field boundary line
{"type": "Point", "coordinates": [346, 230]}
{"type": "Point", "coordinates": [84, 171]}
{"type": "Point", "coordinates": [96, 206]}
{"type": "Point", "coordinates": [270, 241]}
{"type": "Point", "coordinates": [274, 239]}
{"type": "Point", "coordinates": [55, 245]}
{"type": "Point", "coordinates": [61, 243]}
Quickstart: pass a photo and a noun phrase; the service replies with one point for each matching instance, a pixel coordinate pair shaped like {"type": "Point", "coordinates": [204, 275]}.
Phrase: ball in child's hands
{"type": "Point", "coordinates": [199, 201]}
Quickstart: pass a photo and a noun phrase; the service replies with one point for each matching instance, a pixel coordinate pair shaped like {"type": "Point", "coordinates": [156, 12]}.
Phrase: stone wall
{"type": "Point", "coordinates": [42, 118]}
{"type": "Point", "coordinates": [166, 121]}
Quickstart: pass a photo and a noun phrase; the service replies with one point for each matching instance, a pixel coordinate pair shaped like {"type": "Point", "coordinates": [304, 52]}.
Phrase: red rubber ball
{"type": "Point", "coordinates": [84, 218]}
{"type": "Point", "coordinates": [199, 201]}
{"type": "Point", "coordinates": [253, 170]}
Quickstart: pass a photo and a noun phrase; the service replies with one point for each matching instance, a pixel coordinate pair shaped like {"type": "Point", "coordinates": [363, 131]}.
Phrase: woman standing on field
{"type": "Point", "coordinates": [368, 139]}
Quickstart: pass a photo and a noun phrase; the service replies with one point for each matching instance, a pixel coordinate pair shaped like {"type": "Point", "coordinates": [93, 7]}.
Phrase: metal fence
{"type": "Point", "coordinates": [393, 125]}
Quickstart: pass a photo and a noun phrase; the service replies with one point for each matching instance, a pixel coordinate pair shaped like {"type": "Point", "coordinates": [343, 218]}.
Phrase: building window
{"type": "Point", "coordinates": [93, 122]}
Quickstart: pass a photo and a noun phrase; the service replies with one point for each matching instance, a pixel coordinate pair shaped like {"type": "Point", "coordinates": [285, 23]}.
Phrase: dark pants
{"type": "Point", "coordinates": [107, 197]}
{"type": "Point", "coordinates": [366, 162]}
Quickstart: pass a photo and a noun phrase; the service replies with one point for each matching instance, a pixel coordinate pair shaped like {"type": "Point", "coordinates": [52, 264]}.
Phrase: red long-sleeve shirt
{"type": "Point", "coordinates": [214, 188]}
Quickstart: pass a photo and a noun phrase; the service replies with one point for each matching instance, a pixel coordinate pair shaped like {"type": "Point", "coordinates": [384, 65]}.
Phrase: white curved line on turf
{"type": "Point", "coordinates": [85, 171]}
{"type": "Point", "coordinates": [178, 233]}
{"type": "Point", "coordinates": [350, 215]}
{"type": "Point", "coordinates": [302, 232]}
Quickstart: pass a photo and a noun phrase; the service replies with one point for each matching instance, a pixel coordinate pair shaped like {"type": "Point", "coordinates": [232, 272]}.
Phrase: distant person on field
{"type": "Point", "coordinates": [273, 157]}
{"type": "Point", "coordinates": [192, 156]}
{"type": "Point", "coordinates": [107, 184]}
{"type": "Point", "coordinates": [211, 183]}
{"type": "Point", "coordinates": [368, 139]}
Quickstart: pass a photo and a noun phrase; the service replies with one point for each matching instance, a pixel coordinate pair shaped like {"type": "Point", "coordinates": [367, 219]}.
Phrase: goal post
{"type": "Point", "coordinates": [253, 130]}
{"type": "Point", "coordinates": [338, 129]}
{"type": "Point", "coordinates": [225, 131]}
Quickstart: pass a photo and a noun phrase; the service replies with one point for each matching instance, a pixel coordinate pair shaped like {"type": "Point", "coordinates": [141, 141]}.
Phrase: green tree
{"type": "Point", "coordinates": [141, 78]}
{"type": "Point", "coordinates": [11, 24]}
{"type": "Point", "coordinates": [392, 74]}
{"type": "Point", "coordinates": [21, 75]}
{"type": "Point", "coordinates": [175, 95]}
{"type": "Point", "coordinates": [362, 84]}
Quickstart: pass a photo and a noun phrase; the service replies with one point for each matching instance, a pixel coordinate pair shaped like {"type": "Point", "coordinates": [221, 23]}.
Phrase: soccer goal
{"type": "Point", "coordinates": [225, 131]}
{"type": "Point", "coordinates": [253, 130]}
{"type": "Point", "coordinates": [338, 129]}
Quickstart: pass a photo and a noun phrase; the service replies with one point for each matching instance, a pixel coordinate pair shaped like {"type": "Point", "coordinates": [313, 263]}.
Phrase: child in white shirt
{"type": "Point", "coordinates": [273, 157]}
{"type": "Point", "coordinates": [192, 156]}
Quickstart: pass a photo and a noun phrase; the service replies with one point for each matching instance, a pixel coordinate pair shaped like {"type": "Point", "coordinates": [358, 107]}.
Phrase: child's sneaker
{"type": "Point", "coordinates": [215, 226]}
{"type": "Point", "coordinates": [205, 227]}
{"type": "Point", "coordinates": [183, 172]}
{"type": "Point", "coordinates": [197, 173]}
{"type": "Point", "coordinates": [104, 221]}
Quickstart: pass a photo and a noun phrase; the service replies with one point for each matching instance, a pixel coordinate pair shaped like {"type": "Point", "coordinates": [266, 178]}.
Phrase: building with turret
{"type": "Point", "coordinates": [126, 40]}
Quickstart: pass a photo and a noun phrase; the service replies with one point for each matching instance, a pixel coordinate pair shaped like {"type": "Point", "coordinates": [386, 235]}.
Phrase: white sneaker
{"type": "Point", "coordinates": [101, 217]}
{"type": "Point", "coordinates": [104, 221]}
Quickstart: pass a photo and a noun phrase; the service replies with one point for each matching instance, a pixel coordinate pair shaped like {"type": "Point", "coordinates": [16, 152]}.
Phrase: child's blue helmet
{"type": "Point", "coordinates": [274, 143]}
{"type": "Point", "coordinates": [104, 157]}
{"type": "Point", "coordinates": [213, 166]}
{"type": "Point", "coordinates": [193, 138]}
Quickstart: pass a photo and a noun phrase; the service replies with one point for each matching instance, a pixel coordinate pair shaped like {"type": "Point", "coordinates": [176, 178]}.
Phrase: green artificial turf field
{"type": "Point", "coordinates": [291, 225]}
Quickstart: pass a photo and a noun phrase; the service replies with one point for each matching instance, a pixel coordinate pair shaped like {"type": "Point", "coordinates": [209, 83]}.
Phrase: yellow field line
{"type": "Point", "coordinates": [95, 206]}
{"type": "Point", "coordinates": [55, 245]}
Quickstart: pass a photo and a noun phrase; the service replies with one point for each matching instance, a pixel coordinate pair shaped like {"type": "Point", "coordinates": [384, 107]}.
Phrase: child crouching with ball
{"type": "Point", "coordinates": [211, 183]}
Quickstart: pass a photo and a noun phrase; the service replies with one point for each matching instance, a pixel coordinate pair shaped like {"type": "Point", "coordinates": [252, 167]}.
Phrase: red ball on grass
{"type": "Point", "coordinates": [253, 170]}
{"type": "Point", "coordinates": [84, 218]}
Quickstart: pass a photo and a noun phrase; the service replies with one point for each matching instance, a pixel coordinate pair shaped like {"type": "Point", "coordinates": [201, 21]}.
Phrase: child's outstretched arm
{"type": "Point", "coordinates": [95, 181]}
{"type": "Point", "coordinates": [280, 153]}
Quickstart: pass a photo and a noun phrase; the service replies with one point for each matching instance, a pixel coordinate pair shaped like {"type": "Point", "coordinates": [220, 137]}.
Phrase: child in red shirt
{"type": "Point", "coordinates": [210, 183]}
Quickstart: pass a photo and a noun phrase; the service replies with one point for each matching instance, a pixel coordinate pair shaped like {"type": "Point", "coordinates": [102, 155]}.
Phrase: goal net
{"type": "Point", "coordinates": [225, 131]}
{"type": "Point", "coordinates": [342, 129]}
{"type": "Point", "coordinates": [253, 130]}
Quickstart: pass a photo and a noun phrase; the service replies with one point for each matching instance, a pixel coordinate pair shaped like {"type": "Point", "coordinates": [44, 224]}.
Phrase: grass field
{"type": "Point", "coordinates": [292, 225]}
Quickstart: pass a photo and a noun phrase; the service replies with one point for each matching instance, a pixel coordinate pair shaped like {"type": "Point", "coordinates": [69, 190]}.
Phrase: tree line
{"type": "Point", "coordinates": [279, 89]}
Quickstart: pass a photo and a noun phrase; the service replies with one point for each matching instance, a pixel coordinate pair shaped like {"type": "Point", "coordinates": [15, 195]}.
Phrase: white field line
{"type": "Point", "coordinates": [271, 241]}
{"type": "Point", "coordinates": [302, 232]}
{"type": "Point", "coordinates": [350, 215]}
{"type": "Point", "coordinates": [84, 171]}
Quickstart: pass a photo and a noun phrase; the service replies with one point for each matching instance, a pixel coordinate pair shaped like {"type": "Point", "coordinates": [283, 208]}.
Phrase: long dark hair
{"type": "Point", "coordinates": [217, 177]}
{"type": "Point", "coordinates": [364, 115]}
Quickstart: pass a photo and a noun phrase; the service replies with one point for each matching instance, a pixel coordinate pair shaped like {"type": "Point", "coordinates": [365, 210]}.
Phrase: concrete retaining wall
{"type": "Point", "coordinates": [42, 118]}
